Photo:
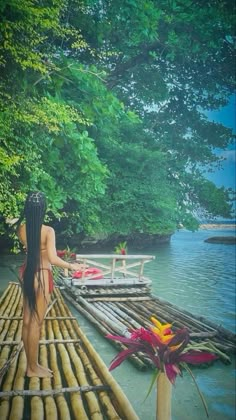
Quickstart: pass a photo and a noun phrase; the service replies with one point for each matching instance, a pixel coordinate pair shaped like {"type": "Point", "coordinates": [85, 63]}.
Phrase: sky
{"type": "Point", "coordinates": [226, 176]}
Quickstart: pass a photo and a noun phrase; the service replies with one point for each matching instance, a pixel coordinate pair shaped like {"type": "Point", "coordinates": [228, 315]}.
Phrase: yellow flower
{"type": "Point", "coordinates": [162, 330]}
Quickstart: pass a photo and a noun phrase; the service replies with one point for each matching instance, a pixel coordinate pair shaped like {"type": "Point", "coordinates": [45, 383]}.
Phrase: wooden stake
{"type": "Point", "coordinates": [164, 391]}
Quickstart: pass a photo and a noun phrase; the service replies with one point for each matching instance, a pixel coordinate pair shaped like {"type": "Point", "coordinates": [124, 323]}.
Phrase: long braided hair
{"type": "Point", "coordinates": [34, 211]}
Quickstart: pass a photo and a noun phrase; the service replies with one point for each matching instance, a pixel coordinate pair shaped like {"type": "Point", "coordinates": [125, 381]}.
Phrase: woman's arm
{"type": "Point", "coordinates": [52, 253]}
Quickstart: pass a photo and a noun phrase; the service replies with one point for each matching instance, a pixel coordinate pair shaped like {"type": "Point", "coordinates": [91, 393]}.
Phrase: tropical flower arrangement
{"type": "Point", "coordinates": [121, 248]}
{"type": "Point", "coordinates": [170, 353]}
{"type": "Point", "coordinates": [66, 254]}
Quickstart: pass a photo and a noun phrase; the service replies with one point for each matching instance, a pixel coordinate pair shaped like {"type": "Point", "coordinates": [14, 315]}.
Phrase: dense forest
{"type": "Point", "coordinates": [103, 107]}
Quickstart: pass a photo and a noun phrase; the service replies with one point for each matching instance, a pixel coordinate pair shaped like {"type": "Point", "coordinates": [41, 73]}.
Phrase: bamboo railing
{"type": "Point", "coordinates": [119, 269]}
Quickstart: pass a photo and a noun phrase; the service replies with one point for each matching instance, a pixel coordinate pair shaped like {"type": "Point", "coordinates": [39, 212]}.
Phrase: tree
{"type": "Point", "coordinates": [106, 101]}
{"type": "Point", "coordinates": [170, 62]}
{"type": "Point", "coordinates": [44, 139]}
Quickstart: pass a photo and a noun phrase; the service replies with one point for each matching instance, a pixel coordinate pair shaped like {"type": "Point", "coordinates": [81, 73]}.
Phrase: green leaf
{"type": "Point", "coordinates": [185, 366]}
{"type": "Point", "coordinates": [153, 381]}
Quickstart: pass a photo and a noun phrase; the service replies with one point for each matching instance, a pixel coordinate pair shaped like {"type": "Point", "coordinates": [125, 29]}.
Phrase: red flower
{"type": "Point", "coordinates": [66, 254]}
{"type": "Point", "coordinates": [166, 356]}
{"type": "Point", "coordinates": [61, 253]}
{"type": "Point", "coordinates": [121, 248]}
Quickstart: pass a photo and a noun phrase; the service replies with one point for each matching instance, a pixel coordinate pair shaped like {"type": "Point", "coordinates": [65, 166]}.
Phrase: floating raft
{"type": "Point", "coordinates": [116, 310]}
{"type": "Point", "coordinates": [81, 388]}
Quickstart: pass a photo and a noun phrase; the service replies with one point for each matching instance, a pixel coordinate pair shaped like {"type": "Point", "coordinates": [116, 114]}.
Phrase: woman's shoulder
{"type": "Point", "coordinates": [47, 229]}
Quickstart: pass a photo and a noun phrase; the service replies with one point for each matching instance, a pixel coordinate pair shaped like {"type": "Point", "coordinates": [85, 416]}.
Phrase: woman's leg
{"type": "Point", "coordinates": [32, 324]}
{"type": "Point", "coordinates": [25, 327]}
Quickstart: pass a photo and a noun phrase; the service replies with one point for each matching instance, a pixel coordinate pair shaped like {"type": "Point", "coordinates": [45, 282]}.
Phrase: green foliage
{"type": "Point", "coordinates": [102, 107]}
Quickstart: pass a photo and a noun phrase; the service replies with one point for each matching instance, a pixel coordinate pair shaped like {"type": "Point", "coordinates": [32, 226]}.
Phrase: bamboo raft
{"type": "Point", "coordinates": [81, 388]}
{"type": "Point", "coordinates": [116, 310]}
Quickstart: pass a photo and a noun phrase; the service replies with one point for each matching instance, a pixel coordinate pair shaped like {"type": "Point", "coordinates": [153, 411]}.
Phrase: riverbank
{"type": "Point", "coordinates": [218, 226]}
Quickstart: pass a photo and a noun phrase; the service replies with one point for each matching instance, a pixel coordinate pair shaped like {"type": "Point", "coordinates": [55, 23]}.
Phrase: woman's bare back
{"type": "Point", "coordinates": [48, 252]}
{"type": "Point", "coordinates": [45, 232]}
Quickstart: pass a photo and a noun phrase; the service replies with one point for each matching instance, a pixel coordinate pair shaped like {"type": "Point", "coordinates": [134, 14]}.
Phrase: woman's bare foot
{"type": "Point", "coordinates": [46, 369]}
{"type": "Point", "coordinates": [39, 371]}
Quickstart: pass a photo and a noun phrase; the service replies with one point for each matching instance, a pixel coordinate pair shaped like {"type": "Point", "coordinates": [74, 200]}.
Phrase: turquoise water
{"type": "Point", "coordinates": [199, 277]}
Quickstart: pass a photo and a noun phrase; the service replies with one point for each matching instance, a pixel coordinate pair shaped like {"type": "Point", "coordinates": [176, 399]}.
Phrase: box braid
{"type": "Point", "coordinates": [35, 208]}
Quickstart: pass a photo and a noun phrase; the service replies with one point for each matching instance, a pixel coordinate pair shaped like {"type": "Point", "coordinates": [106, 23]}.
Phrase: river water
{"type": "Point", "coordinates": [200, 278]}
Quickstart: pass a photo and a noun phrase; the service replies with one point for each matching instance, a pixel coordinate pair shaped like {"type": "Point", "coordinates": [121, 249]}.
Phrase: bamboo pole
{"type": "Point", "coordinates": [76, 400]}
{"type": "Point", "coordinates": [90, 396]}
{"type": "Point", "coordinates": [93, 405]}
{"type": "Point", "coordinates": [117, 299]}
{"type": "Point", "coordinates": [126, 316]}
{"type": "Point", "coordinates": [138, 317]}
{"type": "Point", "coordinates": [196, 324]}
{"type": "Point", "coordinates": [70, 342]}
{"type": "Point", "coordinates": [10, 333]}
{"type": "Point", "coordinates": [120, 400]}
{"type": "Point", "coordinates": [111, 321]}
{"type": "Point", "coordinates": [111, 317]}
{"type": "Point", "coordinates": [36, 403]}
{"type": "Point", "coordinates": [55, 341]}
{"type": "Point", "coordinates": [9, 369]}
{"type": "Point", "coordinates": [5, 299]}
{"type": "Point", "coordinates": [105, 329]}
{"type": "Point", "coordinates": [164, 391]}
{"type": "Point", "coordinates": [49, 402]}
{"type": "Point", "coordinates": [82, 374]}
{"type": "Point", "coordinates": [163, 313]}
{"type": "Point", "coordinates": [17, 407]}
{"type": "Point", "coordinates": [91, 369]}
{"type": "Point", "coordinates": [61, 403]}
{"type": "Point", "coordinates": [193, 325]}
{"type": "Point", "coordinates": [59, 318]}
{"type": "Point", "coordinates": [104, 397]}
{"type": "Point", "coordinates": [10, 304]}
{"type": "Point", "coordinates": [201, 319]}
{"type": "Point", "coordinates": [8, 363]}
{"type": "Point", "coordinates": [52, 392]}
{"type": "Point", "coordinates": [127, 412]}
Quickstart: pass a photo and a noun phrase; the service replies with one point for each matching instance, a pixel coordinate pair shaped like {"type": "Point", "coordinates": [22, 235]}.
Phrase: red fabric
{"type": "Point", "coordinates": [21, 271]}
{"type": "Point", "coordinates": [50, 280]}
{"type": "Point", "coordinates": [88, 272]}
{"type": "Point", "coordinates": [50, 276]}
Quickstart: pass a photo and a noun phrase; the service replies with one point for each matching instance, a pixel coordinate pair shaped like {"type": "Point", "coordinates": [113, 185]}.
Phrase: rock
{"type": "Point", "coordinates": [227, 240]}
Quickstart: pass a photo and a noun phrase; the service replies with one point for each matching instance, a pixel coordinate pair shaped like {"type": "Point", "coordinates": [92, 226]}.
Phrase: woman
{"type": "Point", "coordinates": [37, 280]}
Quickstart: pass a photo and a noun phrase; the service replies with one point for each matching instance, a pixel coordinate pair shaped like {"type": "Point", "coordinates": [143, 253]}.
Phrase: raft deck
{"type": "Point", "coordinates": [116, 310]}
{"type": "Point", "coordinates": [81, 388]}
{"type": "Point", "coordinates": [112, 270]}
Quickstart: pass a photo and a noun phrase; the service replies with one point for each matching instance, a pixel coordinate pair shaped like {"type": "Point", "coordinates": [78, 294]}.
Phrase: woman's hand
{"type": "Point", "coordinates": [77, 266]}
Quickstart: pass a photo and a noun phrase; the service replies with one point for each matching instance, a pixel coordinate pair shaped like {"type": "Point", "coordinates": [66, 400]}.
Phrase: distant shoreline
{"type": "Point", "coordinates": [217, 226]}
